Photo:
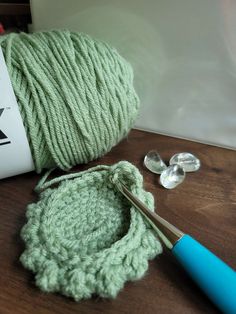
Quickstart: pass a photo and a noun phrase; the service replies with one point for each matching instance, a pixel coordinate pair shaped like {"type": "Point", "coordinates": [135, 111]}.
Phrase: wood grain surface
{"type": "Point", "coordinates": [203, 206]}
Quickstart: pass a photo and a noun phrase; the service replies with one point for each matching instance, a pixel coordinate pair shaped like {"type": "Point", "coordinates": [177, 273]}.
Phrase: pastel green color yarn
{"type": "Point", "coordinates": [83, 237]}
{"type": "Point", "coordinates": [75, 95]}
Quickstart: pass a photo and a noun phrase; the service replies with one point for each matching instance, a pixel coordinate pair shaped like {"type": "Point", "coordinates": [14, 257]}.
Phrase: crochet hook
{"type": "Point", "coordinates": [212, 275]}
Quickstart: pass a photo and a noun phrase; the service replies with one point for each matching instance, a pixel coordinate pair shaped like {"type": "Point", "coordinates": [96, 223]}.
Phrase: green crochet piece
{"type": "Point", "coordinates": [83, 237]}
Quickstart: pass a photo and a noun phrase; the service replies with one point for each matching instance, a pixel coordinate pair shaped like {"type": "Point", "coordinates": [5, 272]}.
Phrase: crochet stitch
{"type": "Point", "coordinates": [75, 95]}
{"type": "Point", "coordinates": [83, 237]}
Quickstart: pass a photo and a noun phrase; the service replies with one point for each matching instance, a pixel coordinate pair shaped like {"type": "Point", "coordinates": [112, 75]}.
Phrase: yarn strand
{"type": "Point", "coordinates": [43, 184]}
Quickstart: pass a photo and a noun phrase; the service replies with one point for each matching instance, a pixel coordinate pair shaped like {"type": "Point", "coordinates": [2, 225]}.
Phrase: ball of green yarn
{"type": "Point", "coordinates": [83, 237]}
{"type": "Point", "coordinates": [75, 95]}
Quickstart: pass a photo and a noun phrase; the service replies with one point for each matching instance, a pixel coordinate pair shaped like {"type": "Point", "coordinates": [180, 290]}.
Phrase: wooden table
{"type": "Point", "coordinates": [204, 206]}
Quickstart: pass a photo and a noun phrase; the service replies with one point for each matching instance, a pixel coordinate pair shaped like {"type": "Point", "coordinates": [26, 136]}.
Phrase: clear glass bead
{"type": "Point", "coordinates": [187, 161]}
{"type": "Point", "coordinates": [172, 176]}
{"type": "Point", "coordinates": [154, 163]}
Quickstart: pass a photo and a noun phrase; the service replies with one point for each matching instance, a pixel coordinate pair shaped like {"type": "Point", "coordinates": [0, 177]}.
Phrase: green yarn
{"type": "Point", "coordinates": [83, 237]}
{"type": "Point", "coordinates": [75, 95]}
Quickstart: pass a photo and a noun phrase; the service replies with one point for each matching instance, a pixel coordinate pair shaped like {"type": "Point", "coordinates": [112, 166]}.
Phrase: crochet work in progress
{"type": "Point", "coordinates": [83, 237]}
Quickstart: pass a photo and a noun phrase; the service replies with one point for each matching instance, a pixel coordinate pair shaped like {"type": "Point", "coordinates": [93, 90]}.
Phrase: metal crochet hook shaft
{"type": "Point", "coordinates": [169, 231]}
{"type": "Point", "coordinates": [212, 275]}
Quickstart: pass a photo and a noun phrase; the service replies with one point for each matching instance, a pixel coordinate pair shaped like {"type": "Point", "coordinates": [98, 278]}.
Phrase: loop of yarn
{"type": "Point", "coordinates": [75, 95]}
{"type": "Point", "coordinates": [83, 237]}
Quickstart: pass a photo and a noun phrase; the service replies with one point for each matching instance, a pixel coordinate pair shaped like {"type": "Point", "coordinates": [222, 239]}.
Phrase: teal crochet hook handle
{"type": "Point", "coordinates": [212, 275]}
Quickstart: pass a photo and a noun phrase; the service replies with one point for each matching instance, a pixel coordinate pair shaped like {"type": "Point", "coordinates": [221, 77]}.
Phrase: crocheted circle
{"type": "Point", "coordinates": [83, 237]}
